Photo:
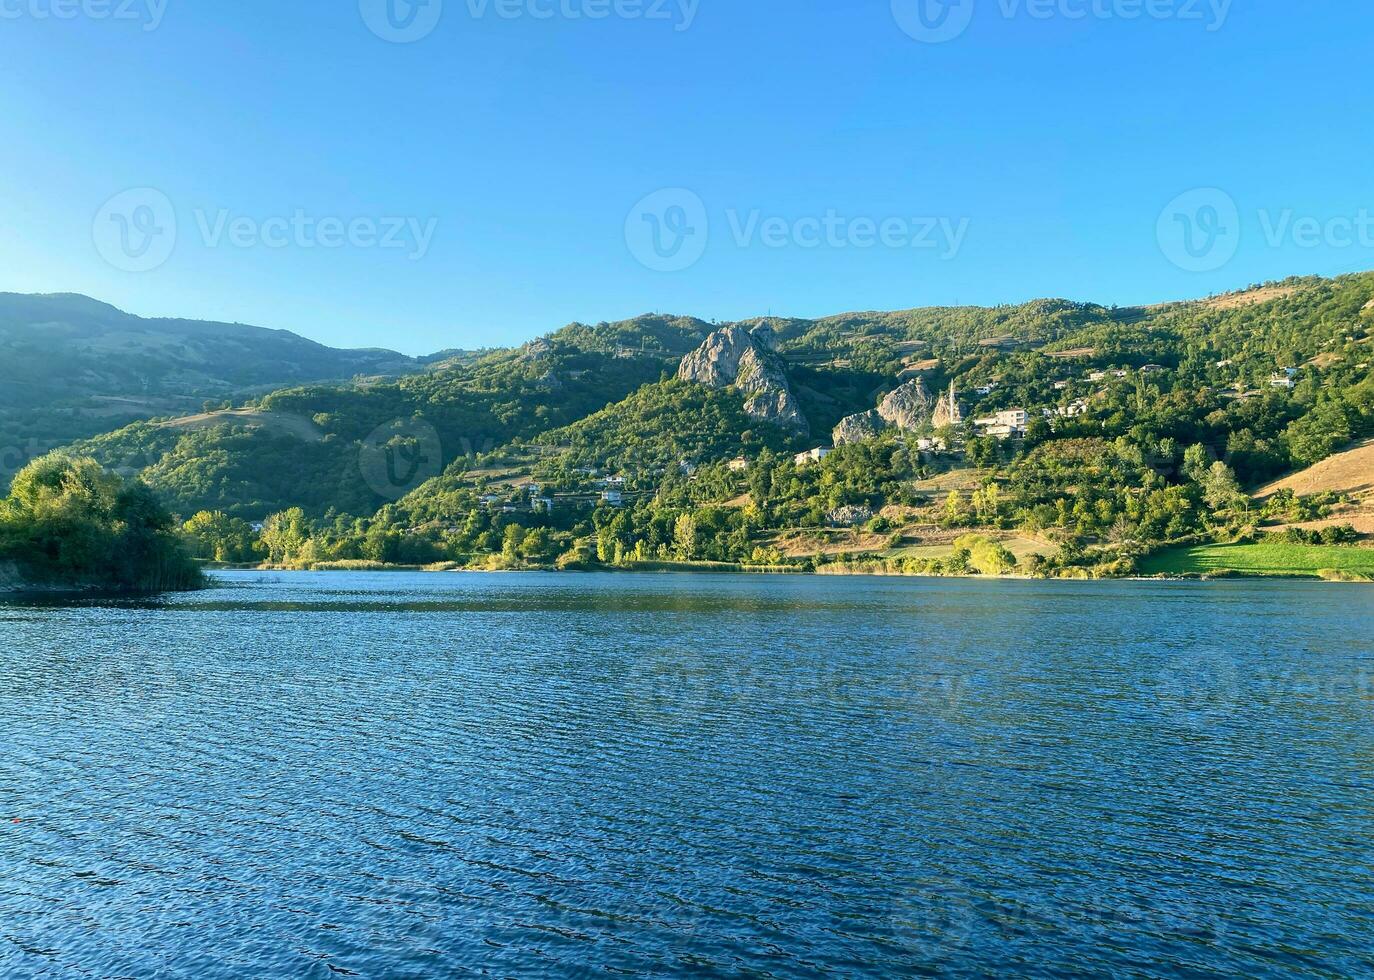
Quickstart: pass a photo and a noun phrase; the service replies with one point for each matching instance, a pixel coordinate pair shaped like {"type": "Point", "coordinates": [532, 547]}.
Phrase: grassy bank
{"type": "Point", "coordinates": [1278, 559]}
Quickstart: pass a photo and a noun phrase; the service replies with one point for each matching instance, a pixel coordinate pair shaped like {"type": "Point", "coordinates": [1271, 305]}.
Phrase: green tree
{"type": "Point", "coordinates": [685, 537]}
{"type": "Point", "coordinates": [284, 536]}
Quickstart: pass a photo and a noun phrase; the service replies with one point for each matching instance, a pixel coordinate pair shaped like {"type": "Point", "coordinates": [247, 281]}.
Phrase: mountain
{"type": "Point", "coordinates": [71, 367]}
{"type": "Point", "coordinates": [1079, 423]}
{"type": "Point", "coordinates": [326, 446]}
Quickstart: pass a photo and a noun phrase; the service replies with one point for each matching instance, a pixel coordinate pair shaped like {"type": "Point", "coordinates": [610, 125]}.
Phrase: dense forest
{"type": "Point", "coordinates": [1143, 426]}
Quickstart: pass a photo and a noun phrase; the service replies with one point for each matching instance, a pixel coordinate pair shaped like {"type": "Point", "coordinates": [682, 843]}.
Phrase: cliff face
{"type": "Point", "coordinates": [857, 428]}
{"type": "Point", "coordinates": [734, 357]}
{"type": "Point", "coordinates": [906, 408]}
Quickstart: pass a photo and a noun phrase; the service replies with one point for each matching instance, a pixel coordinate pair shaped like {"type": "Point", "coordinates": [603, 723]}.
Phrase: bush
{"type": "Point", "coordinates": [1340, 534]}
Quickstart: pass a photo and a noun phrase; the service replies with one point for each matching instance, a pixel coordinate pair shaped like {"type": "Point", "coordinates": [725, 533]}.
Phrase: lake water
{"type": "Point", "coordinates": [576, 775]}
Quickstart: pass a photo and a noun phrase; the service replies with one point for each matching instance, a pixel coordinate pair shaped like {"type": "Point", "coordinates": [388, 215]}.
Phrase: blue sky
{"type": "Point", "coordinates": [817, 157]}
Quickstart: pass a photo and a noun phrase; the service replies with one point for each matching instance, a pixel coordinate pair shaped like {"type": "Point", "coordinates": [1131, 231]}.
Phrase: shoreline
{"type": "Point", "coordinates": [725, 568]}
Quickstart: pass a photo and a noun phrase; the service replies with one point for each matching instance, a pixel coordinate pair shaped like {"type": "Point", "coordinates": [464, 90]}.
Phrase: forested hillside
{"type": "Point", "coordinates": [72, 367]}
{"type": "Point", "coordinates": [1077, 435]}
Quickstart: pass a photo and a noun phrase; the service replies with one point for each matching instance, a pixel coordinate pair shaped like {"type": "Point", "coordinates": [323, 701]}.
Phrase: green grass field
{"type": "Point", "coordinates": [1260, 559]}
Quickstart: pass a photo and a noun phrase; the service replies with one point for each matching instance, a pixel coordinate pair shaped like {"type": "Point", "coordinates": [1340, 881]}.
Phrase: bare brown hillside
{"type": "Point", "coordinates": [1351, 471]}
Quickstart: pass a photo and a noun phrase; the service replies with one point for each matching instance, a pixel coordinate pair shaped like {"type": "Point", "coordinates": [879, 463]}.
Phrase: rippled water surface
{"type": "Point", "coordinates": [538, 775]}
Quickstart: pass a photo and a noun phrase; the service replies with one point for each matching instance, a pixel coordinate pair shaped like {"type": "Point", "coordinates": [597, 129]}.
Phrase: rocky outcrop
{"type": "Point", "coordinates": [536, 348]}
{"type": "Point", "coordinates": [850, 516]}
{"type": "Point", "coordinates": [907, 407]}
{"type": "Point", "coordinates": [734, 357]}
{"type": "Point", "coordinates": [857, 428]}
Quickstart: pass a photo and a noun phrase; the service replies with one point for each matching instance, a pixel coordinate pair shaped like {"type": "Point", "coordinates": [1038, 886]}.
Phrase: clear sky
{"type": "Point", "coordinates": [371, 176]}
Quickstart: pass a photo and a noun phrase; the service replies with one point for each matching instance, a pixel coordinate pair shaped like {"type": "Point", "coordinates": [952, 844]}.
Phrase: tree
{"type": "Point", "coordinates": [214, 536]}
{"type": "Point", "coordinates": [1195, 462]}
{"type": "Point", "coordinates": [68, 521]}
{"type": "Point", "coordinates": [685, 536]}
{"type": "Point", "coordinates": [956, 513]}
{"type": "Point", "coordinates": [284, 535]}
{"type": "Point", "coordinates": [1220, 488]}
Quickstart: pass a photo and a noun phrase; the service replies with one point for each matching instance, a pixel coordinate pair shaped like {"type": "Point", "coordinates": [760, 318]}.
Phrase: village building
{"type": "Point", "coordinates": [738, 465]}
{"type": "Point", "coordinates": [811, 456]}
{"type": "Point", "coordinates": [1004, 425]}
{"type": "Point", "coordinates": [1072, 410]}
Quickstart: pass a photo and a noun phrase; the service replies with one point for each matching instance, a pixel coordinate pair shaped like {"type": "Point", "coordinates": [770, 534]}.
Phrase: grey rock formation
{"type": "Point", "coordinates": [908, 407]}
{"type": "Point", "coordinates": [857, 428]}
{"type": "Point", "coordinates": [735, 357]}
{"type": "Point", "coordinates": [536, 348]}
{"type": "Point", "coordinates": [850, 516]}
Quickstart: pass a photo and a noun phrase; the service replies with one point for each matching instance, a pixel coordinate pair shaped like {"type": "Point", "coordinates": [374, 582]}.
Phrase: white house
{"type": "Point", "coordinates": [1282, 381]}
{"type": "Point", "coordinates": [811, 456]}
{"type": "Point", "coordinates": [738, 465]}
{"type": "Point", "coordinates": [613, 498]}
{"type": "Point", "coordinates": [1072, 410]}
{"type": "Point", "coordinates": [1004, 425]}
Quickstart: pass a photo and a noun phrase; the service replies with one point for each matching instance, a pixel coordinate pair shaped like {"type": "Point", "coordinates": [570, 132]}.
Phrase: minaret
{"type": "Point", "coordinates": [947, 412]}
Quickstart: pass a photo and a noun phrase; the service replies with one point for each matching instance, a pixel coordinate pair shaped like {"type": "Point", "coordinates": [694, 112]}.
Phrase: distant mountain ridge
{"type": "Point", "coordinates": [72, 366]}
